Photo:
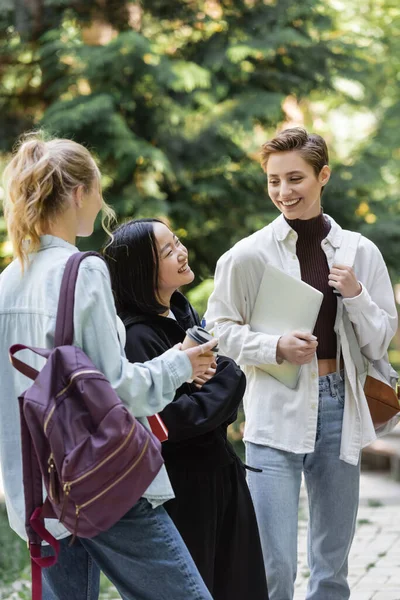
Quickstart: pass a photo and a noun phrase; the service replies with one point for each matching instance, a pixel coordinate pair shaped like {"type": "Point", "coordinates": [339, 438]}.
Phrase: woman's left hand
{"type": "Point", "coordinates": [343, 279]}
{"type": "Point", "coordinates": [202, 379]}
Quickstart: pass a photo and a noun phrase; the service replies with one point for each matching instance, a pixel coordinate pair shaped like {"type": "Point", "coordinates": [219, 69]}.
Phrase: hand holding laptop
{"type": "Point", "coordinates": [287, 307]}
{"type": "Point", "coordinates": [297, 348]}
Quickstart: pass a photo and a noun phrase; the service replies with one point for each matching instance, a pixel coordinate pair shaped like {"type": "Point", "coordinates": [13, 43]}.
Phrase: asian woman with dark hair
{"type": "Point", "coordinates": [212, 508]}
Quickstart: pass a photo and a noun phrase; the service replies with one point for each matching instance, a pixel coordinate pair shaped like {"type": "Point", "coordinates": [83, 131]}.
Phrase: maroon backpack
{"type": "Point", "coordinates": [95, 458]}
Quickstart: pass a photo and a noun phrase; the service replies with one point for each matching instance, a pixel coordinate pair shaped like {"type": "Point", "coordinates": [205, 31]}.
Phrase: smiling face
{"type": "Point", "coordinates": [293, 185]}
{"type": "Point", "coordinates": [174, 270]}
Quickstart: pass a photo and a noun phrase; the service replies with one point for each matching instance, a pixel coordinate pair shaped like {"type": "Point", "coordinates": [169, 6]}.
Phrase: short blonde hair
{"type": "Point", "coordinates": [39, 181]}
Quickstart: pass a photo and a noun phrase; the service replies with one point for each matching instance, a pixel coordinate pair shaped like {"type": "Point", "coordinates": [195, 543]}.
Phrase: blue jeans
{"type": "Point", "coordinates": [143, 555]}
{"type": "Point", "coordinates": [333, 491]}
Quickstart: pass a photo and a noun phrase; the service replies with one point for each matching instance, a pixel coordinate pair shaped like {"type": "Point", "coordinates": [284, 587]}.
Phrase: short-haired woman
{"type": "Point", "coordinates": [212, 508]}
{"type": "Point", "coordinates": [53, 195]}
{"type": "Point", "coordinates": [318, 429]}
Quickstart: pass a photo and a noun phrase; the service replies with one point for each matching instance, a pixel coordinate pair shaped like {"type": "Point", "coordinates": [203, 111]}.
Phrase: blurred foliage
{"type": "Point", "coordinates": [199, 295]}
{"type": "Point", "coordinates": [14, 562]}
{"type": "Point", "coordinates": [175, 99]}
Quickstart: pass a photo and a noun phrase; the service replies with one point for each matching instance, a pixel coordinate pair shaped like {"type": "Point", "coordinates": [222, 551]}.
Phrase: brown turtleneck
{"type": "Point", "coordinates": [314, 271]}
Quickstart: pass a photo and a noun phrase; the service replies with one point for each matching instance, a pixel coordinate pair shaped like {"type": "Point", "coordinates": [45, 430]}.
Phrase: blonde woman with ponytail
{"type": "Point", "coordinates": [53, 195]}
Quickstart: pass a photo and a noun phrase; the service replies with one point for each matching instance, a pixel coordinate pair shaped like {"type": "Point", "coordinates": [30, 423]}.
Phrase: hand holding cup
{"type": "Point", "coordinates": [198, 337]}
{"type": "Point", "coordinates": [201, 357]}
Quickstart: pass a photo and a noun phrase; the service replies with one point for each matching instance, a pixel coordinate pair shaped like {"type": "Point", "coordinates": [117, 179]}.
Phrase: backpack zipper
{"type": "Point", "coordinates": [67, 485]}
{"type": "Point", "coordinates": [85, 504]}
{"type": "Point", "coordinates": [65, 389]}
{"type": "Point", "coordinates": [53, 492]}
{"type": "Point", "coordinates": [79, 507]}
{"type": "Point", "coordinates": [103, 462]}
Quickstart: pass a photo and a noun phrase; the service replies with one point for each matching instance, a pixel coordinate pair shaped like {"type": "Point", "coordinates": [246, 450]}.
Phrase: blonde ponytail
{"type": "Point", "coordinates": [39, 182]}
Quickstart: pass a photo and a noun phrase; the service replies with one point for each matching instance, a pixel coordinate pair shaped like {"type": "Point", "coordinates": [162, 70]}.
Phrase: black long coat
{"type": "Point", "coordinates": [212, 508]}
{"type": "Point", "coordinates": [197, 419]}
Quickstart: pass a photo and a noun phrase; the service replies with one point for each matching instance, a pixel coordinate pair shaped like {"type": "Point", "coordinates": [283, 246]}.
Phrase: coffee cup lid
{"type": "Point", "coordinates": [200, 335]}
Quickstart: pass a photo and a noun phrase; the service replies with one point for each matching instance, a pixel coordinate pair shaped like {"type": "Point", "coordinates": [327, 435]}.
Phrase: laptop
{"type": "Point", "coordinates": [284, 304]}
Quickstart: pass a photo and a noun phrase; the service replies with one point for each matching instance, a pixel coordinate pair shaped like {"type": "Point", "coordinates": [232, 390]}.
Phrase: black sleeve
{"type": "Point", "coordinates": [204, 410]}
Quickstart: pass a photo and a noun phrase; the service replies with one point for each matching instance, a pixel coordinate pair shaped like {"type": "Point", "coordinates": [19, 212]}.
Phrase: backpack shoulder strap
{"type": "Point", "coordinates": [346, 253]}
{"type": "Point", "coordinates": [64, 333]}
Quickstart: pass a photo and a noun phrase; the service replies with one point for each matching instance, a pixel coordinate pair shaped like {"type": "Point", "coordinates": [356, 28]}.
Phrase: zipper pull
{"type": "Point", "coordinates": [53, 480]}
{"type": "Point", "coordinates": [77, 512]}
{"type": "Point", "coordinates": [67, 489]}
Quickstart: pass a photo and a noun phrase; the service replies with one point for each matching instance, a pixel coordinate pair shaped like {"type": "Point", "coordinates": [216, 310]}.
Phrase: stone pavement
{"type": "Point", "coordinates": [374, 569]}
{"type": "Point", "coordinates": [374, 566]}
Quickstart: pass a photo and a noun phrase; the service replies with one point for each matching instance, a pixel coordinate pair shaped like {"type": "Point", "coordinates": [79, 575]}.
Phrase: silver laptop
{"type": "Point", "coordinates": [284, 304]}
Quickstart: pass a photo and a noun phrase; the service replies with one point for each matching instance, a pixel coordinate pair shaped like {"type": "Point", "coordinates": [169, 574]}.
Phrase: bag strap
{"type": "Point", "coordinates": [39, 562]}
{"type": "Point", "coordinates": [32, 476]}
{"type": "Point", "coordinates": [23, 367]}
{"type": "Point", "coordinates": [64, 333]}
{"type": "Point", "coordinates": [345, 255]}
{"type": "Point", "coordinates": [35, 529]}
{"type": "Point", "coordinates": [354, 347]}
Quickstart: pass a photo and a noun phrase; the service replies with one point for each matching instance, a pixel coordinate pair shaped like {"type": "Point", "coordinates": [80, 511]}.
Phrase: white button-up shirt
{"type": "Point", "coordinates": [277, 416]}
{"type": "Point", "coordinates": [28, 307]}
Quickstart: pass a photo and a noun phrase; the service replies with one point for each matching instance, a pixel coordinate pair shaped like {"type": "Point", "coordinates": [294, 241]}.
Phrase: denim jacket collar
{"type": "Point", "coordinates": [282, 229]}
{"type": "Point", "coordinates": [51, 241]}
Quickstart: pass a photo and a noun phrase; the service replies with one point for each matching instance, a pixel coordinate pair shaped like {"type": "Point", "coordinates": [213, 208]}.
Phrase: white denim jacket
{"type": "Point", "coordinates": [277, 416]}
{"type": "Point", "coordinates": [28, 307]}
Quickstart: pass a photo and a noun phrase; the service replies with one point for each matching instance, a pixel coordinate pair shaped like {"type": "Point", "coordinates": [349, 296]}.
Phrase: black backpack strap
{"type": "Point", "coordinates": [64, 333]}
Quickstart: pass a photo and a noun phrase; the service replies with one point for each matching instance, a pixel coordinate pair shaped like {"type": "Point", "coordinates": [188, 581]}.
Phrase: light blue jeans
{"type": "Point", "coordinates": [143, 555]}
{"type": "Point", "coordinates": [333, 491]}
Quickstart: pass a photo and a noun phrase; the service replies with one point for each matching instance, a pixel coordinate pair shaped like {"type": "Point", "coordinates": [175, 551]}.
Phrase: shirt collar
{"type": "Point", "coordinates": [51, 241]}
{"type": "Point", "coordinates": [282, 229]}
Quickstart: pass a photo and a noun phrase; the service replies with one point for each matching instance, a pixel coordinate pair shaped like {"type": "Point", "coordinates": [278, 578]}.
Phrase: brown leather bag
{"type": "Point", "coordinates": [383, 400]}
{"type": "Point", "coordinates": [380, 379]}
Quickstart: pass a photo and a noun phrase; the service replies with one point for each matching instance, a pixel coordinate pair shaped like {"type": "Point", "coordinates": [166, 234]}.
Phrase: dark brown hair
{"type": "Point", "coordinates": [310, 146]}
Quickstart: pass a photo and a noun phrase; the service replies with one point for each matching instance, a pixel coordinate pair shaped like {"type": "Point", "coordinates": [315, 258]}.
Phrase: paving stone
{"type": "Point", "coordinates": [374, 563]}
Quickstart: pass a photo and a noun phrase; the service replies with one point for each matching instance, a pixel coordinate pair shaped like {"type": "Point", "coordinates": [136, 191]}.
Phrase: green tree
{"type": "Point", "coordinates": [175, 98]}
{"type": "Point", "coordinates": [363, 192]}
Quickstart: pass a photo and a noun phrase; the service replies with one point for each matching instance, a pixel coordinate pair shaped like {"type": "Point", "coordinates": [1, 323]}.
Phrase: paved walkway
{"type": "Point", "coordinates": [374, 567]}
{"type": "Point", "coordinates": [374, 570]}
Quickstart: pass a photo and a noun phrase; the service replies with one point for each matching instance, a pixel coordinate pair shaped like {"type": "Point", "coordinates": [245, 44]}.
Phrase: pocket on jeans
{"type": "Point", "coordinates": [340, 394]}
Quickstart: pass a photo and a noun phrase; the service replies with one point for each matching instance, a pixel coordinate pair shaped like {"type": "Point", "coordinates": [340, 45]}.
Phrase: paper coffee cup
{"type": "Point", "coordinates": [189, 342]}
{"type": "Point", "coordinates": [195, 336]}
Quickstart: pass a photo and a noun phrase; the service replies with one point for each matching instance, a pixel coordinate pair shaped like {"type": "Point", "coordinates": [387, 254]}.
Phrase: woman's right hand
{"type": "Point", "coordinates": [297, 348]}
{"type": "Point", "coordinates": [201, 357]}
